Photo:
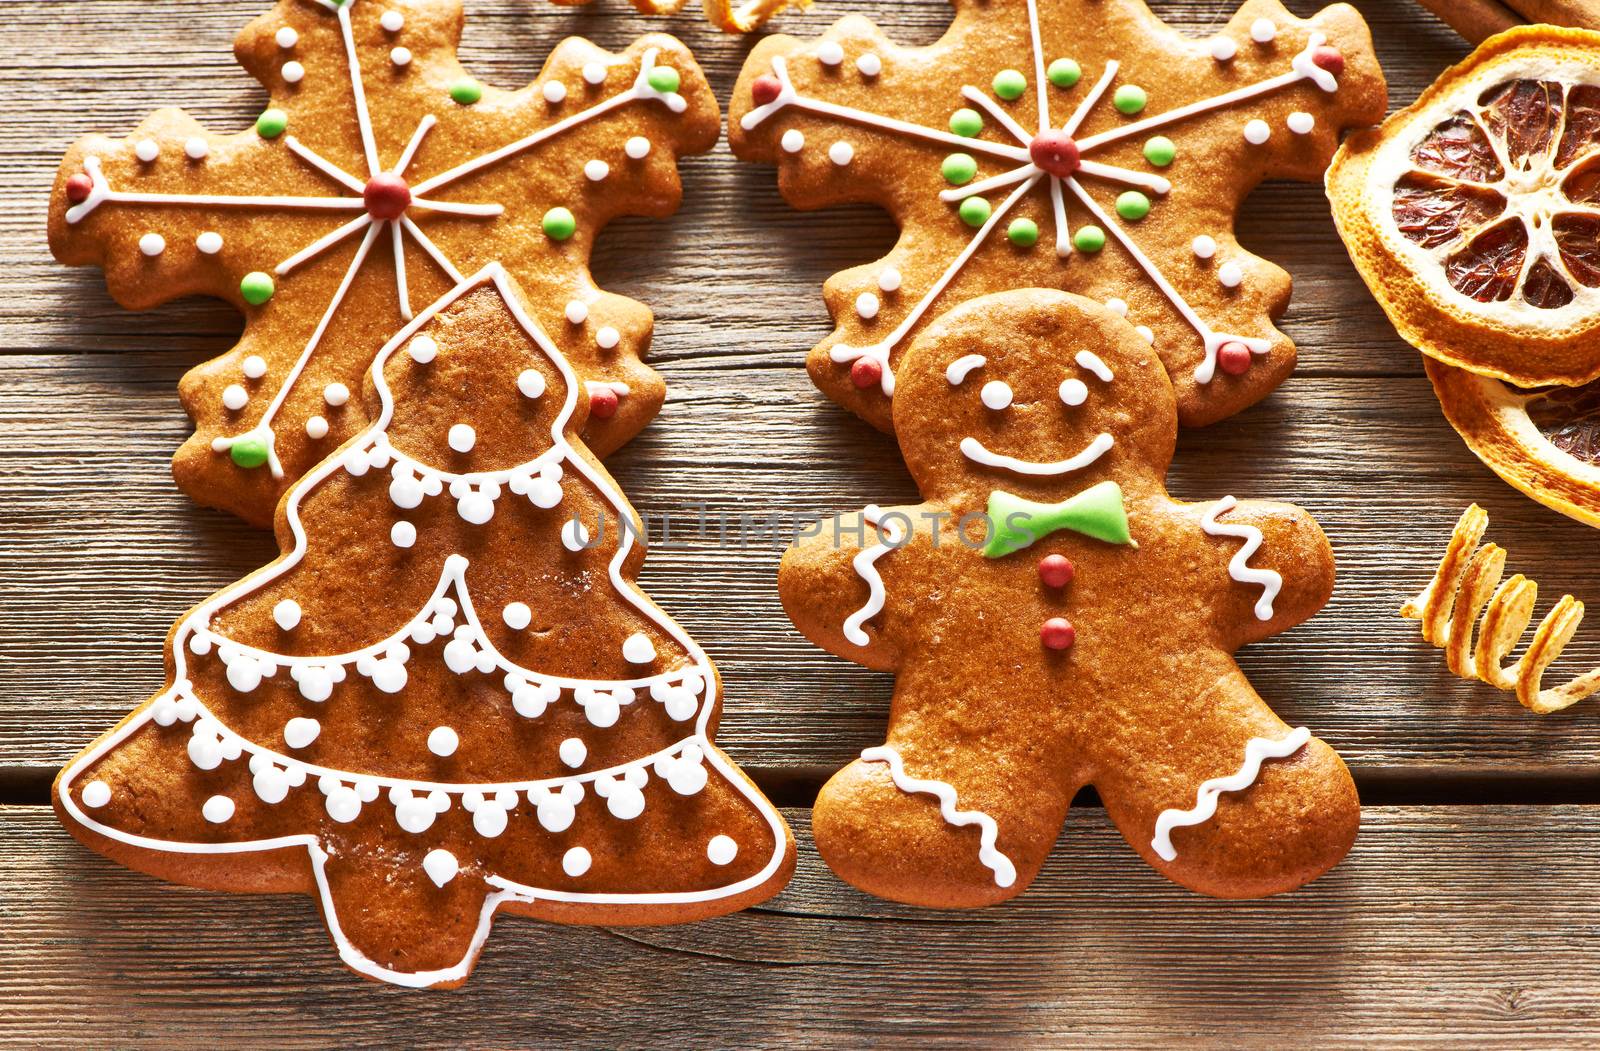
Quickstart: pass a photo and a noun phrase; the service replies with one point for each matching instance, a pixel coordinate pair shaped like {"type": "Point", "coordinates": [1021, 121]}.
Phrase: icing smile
{"type": "Point", "coordinates": [979, 453]}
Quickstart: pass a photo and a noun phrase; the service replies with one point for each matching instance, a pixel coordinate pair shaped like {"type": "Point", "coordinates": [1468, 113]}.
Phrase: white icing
{"type": "Point", "coordinates": [1257, 132]}
{"type": "Point", "coordinates": [286, 614]}
{"type": "Point", "coordinates": [1239, 567]}
{"type": "Point", "coordinates": [234, 397]}
{"type": "Point", "coordinates": [596, 170]}
{"type": "Point", "coordinates": [530, 382]}
{"type": "Point", "coordinates": [217, 809]}
{"type": "Point", "coordinates": [996, 395]}
{"type": "Point", "coordinates": [254, 367]}
{"type": "Point", "coordinates": [1223, 48]}
{"type": "Point", "coordinates": [867, 306]}
{"type": "Point", "coordinates": [793, 141]}
{"type": "Point", "coordinates": [195, 148]}
{"type": "Point", "coordinates": [1005, 873]}
{"type": "Point", "coordinates": [403, 534]}
{"type": "Point", "coordinates": [287, 37]}
{"type": "Point", "coordinates": [721, 850]}
{"type": "Point", "coordinates": [957, 371]}
{"type": "Point", "coordinates": [1088, 359]}
{"type": "Point", "coordinates": [607, 337]}
{"type": "Point", "coordinates": [96, 794]}
{"type": "Point", "coordinates": [1301, 123]}
{"type": "Point", "coordinates": [594, 73]}
{"type": "Point", "coordinates": [1073, 392]}
{"type": "Point", "coordinates": [316, 427]}
{"type": "Point", "coordinates": [441, 866]}
{"type": "Point", "coordinates": [443, 741]}
{"type": "Point", "coordinates": [577, 311]}
{"type": "Point", "coordinates": [637, 148]}
{"type": "Point", "coordinates": [869, 64]}
{"type": "Point", "coordinates": [830, 53]}
{"type": "Point", "coordinates": [423, 349]}
{"type": "Point", "coordinates": [573, 752]}
{"type": "Point", "coordinates": [841, 153]}
{"type": "Point", "coordinates": [1205, 246]}
{"type": "Point", "coordinates": [889, 279]}
{"type": "Point", "coordinates": [978, 453]}
{"type": "Point", "coordinates": [336, 394]}
{"type": "Point", "coordinates": [866, 567]}
{"type": "Point", "coordinates": [462, 437]}
{"type": "Point", "coordinates": [400, 56]}
{"type": "Point", "coordinates": [517, 615]}
{"type": "Point", "coordinates": [1263, 31]}
{"type": "Point", "coordinates": [1257, 751]}
{"type": "Point", "coordinates": [392, 21]}
{"type": "Point", "coordinates": [152, 244]}
{"type": "Point", "coordinates": [1117, 306]}
{"type": "Point", "coordinates": [554, 91]}
{"type": "Point", "coordinates": [1230, 274]}
{"type": "Point", "coordinates": [300, 732]}
{"type": "Point", "coordinates": [576, 862]}
{"type": "Point", "coordinates": [147, 150]}
{"type": "Point", "coordinates": [293, 72]}
{"type": "Point", "coordinates": [638, 649]}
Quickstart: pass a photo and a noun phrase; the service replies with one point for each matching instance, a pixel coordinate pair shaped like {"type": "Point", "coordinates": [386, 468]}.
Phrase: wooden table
{"type": "Point", "coordinates": [1466, 912]}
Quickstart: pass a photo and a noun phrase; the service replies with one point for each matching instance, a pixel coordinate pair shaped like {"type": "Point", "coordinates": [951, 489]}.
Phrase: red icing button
{"type": "Point", "coordinates": [1328, 58]}
{"type": "Point", "coordinates": [603, 403]}
{"type": "Point", "coordinates": [1055, 152]}
{"type": "Point", "coordinates": [1058, 634]}
{"type": "Point", "coordinates": [866, 372]}
{"type": "Point", "coordinates": [79, 187]}
{"type": "Point", "coordinates": [766, 89]}
{"type": "Point", "coordinates": [386, 196]}
{"type": "Point", "coordinates": [1234, 358]}
{"type": "Point", "coordinates": [1055, 570]}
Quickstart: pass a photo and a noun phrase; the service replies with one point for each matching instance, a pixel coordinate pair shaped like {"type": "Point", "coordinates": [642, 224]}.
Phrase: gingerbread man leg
{"type": "Point", "coordinates": [1221, 796]}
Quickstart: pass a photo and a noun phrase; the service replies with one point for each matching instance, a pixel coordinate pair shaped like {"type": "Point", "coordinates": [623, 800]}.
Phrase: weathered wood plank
{"type": "Point", "coordinates": [1473, 926]}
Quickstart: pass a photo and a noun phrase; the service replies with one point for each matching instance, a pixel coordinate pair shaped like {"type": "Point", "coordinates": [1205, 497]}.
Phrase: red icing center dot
{"type": "Point", "coordinates": [79, 187]}
{"type": "Point", "coordinates": [1328, 58]}
{"type": "Point", "coordinates": [1056, 152]}
{"type": "Point", "coordinates": [1058, 634]}
{"type": "Point", "coordinates": [1233, 358]}
{"type": "Point", "coordinates": [866, 373]}
{"type": "Point", "coordinates": [386, 196]}
{"type": "Point", "coordinates": [766, 89]}
{"type": "Point", "coordinates": [1055, 570]}
{"type": "Point", "coordinates": [603, 403]}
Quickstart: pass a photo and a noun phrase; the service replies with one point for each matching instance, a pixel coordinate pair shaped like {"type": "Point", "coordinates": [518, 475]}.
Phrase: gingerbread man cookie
{"type": "Point", "coordinates": [1054, 620]}
{"type": "Point", "coordinates": [378, 173]}
{"type": "Point", "coordinates": [447, 697]}
{"type": "Point", "coordinates": [1075, 144]}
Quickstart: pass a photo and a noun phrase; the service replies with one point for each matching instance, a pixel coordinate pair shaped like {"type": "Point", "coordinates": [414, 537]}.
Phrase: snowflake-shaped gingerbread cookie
{"type": "Point", "coordinates": [1073, 144]}
{"type": "Point", "coordinates": [378, 173]}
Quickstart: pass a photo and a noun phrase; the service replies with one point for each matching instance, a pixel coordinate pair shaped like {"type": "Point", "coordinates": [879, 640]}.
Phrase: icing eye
{"type": "Point", "coordinates": [1073, 392]}
{"type": "Point", "coordinates": [996, 394]}
{"type": "Point", "coordinates": [958, 370]}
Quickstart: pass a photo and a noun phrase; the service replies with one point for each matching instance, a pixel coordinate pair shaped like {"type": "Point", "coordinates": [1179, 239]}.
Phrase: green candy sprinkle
{"type": "Point", "coordinates": [966, 122]}
{"type": "Point", "coordinates": [664, 79]}
{"type": "Point", "coordinates": [466, 92]}
{"type": "Point", "coordinates": [257, 288]}
{"type": "Point", "coordinates": [248, 452]}
{"type": "Point", "coordinates": [959, 168]}
{"type": "Point", "coordinates": [1009, 84]}
{"type": "Point", "coordinates": [559, 224]}
{"type": "Point", "coordinates": [1089, 239]}
{"type": "Point", "coordinates": [1064, 72]}
{"type": "Point", "coordinates": [271, 123]}
{"type": "Point", "coordinates": [1160, 151]}
{"type": "Point", "coordinates": [1024, 233]}
{"type": "Point", "coordinates": [1129, 99]}
{"type": "Point", "coordinates": [1133, 205]}
{"type": "Point", "coordinates": [974, 211]}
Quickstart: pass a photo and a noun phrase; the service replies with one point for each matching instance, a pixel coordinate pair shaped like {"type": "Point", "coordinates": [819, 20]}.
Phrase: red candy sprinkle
{"type": "Point", "coordinates": [766, 89]}
{"type": "Point", "coordinates": [1058, 634]}
{"type": "Point", "coordinates": [386, 196]}
{"type": "Point", "coordinates": [1055, 570]}
{"type": "Point", "coordinates": [79, 187]}
{"type": "Point", "coordinates": [1234, 358]}
{"type": "Point", "coordinates": [865, 373]}
{"type": "Point", "coordinates": [1328, 58]}
{"type": "Point", "coordinates": [603, 403]}
{"type": "Point", "coordinates": [1055, 152]}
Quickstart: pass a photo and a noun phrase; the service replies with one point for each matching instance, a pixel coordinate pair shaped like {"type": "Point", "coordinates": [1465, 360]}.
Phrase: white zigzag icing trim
{"type": "Point", "coordinates": [1205, 799]}
{"type": "Point", "coordinates": [1005, 873]}
{"type": "Point", "coordinates": [1239, 567]}
{"type": "Point", "coordinates": [865, 564]}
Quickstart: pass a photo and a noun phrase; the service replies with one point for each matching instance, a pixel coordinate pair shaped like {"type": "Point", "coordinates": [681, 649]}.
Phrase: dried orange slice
{"type": "Point", "coordinates": [1474, 214]}
{"type": "Point", "coordinates": [1545, 442]}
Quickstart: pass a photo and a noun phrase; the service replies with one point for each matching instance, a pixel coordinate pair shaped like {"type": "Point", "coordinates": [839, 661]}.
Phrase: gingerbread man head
{"type": "Point", "coordinates": [1054, 620]}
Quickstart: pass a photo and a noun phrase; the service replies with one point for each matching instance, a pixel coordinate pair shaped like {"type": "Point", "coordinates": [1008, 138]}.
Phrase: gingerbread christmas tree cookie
{"type": "Point", "coordinates": [447, 698]}
{"type": "Point", "coordinates": [377, 174]}
{"type": "Point", "coordinates": [1054, 619]}
{"type": "Point", "coordinates": [1073, 144]}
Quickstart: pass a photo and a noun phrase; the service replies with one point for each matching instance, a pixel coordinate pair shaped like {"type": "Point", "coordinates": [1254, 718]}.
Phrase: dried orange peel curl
{"type": "Point", "coordinates": [1469, 579]}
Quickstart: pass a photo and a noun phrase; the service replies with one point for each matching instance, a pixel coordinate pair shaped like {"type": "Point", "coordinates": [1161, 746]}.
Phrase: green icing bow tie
{"type": "Point", "coordinates": [1096, 512]}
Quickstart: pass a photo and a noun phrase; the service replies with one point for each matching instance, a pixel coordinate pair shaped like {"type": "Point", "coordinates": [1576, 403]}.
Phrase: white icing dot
{"type": "Point", "coordinates": [793, 141]}
{"type": "Point", "coordinates": [400, 56]}
{"type": "Point", "coordinates": [1073, 392]}
{"type": "Point", "coordinates": [403, 534]}
{"type": "Point", "coordinates": [217, 809]}
{"type": "Point", "coordinates": [287, 37]}
{"type": "Point", "coordinates": [1146, 333]}
{"type": "Point", "coordinates": [300, 732]}
{"type": "Point", "coordinates": [596, 170]}
{"type": "Point", "coordinates": [423, 349]}
{"type": "Point", "coordinates": [1223, 48]}
{"type": "Point", "coordinates": [574, 535]}
{"type": "Point", "coordinates": [996, 394]}
{"type": "Point", "coordinates": [869, 64]}
{"type": "Point", "coordinates": [531, 383]}
{"type": "Point", "coordinates": [463, 437]}
{"type": "Point", "coordinates": [254, 367]}
{"type": "Point", "coordinates": [440, 865]}
{"type": "Point", "coordinates": [316, 428]}
{"type": "Point", "coordinates": [576, 862]}
{"type": "Point", "coordinates": [637, 147]}
{"type": "Point", "coordinates": [293, 72]}
{"type": "Point", "coordinates": [517, 615]}
{"type": "Point", "coordinates": [287, 614]}
{"type": "Point", "coordinates": [573, 752]}
{"type": "Point", "coordinates": [1230, 274]}
{"type": "Point", "coordinates": [1118, 307]}
{"type": "Point", "coordinates": [152, 244]}
{"type": "Point", "coordinates": [830, 53]}
{"type": "Point", "coordinates": [721, 850]}
{"type": "Point", "coordinates": [336, 394]}
{"type": "Point", "coordinates": [867, 305]}
{"type": "Point", "coordinates": [1257, 132]}
{"type": "Point", "coordinates": [554, 91]}
{"type": "Point", "coordinates": [1300, 122]}
{"type": "Point", "coordinates": [594, 73]}
{"type": "Point", "coordinates": [841, 153]}
{"type": "Point", "coordinates": [607, 337]}
{"type": "Point", "coordinates": [209, 242]}
{"type": "Point", "coordinates": [577, 311]}
{"type": "Point", "coordinates": [1262, 30]}
{"type": "Point", "coordinates": [196, 148]}
{"type": "Point", "coordinates": [234, 397]}
{"type": "Point", "coordinates": [638, 649]}
{"type": "Point", "coordinates": [1205, 246]}
{"type": "Point", "coordinates": [392, 21]}
{"type": "Point", "coordinates": [96, 794]}
{"type": "Point", "coordinates": [443, 741]}
{"type": "Point", "coordinates": [147, 150]}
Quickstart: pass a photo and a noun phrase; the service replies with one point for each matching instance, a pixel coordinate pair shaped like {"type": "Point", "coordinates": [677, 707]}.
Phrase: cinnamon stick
{"type": "Point", "coordinates": [1582, 14]}
{"type": "Point", "coordinates": [1477, 20]}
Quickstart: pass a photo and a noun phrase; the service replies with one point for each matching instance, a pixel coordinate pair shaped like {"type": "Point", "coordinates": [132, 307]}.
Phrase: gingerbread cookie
{"type": "Point", "coordinates": [379, 172]}
{"type": "Point", "coordinates": [447, 698]}
{"type": "Point", "coordinates": [1075, 144]}
{"type": "Point", "coordinates": [1054, 619]}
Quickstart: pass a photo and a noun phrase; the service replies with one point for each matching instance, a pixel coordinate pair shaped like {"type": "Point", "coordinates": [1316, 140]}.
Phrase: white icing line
{"type": "Point", "coordinates": [402, 289]}
{"type": "Point", "coordinates": [102, 193]}
{"type": "Point", "coordinates": [432, 249]}
{"type": "Point", "coordinates": [1063, 232]}
{"type": "Point", "coordinates": [455, 208]}
{"type": "Point", "coordinates": [1005, 873]}
{"type": "Point", "coordinates": [322, 244]}
{"type": "Point", "coordinates": [1111, 173]}
{"type": "Point", "coordinates": [865, 564]}
{"type": "Point", "coordinates": [423, 127]}
{"type": "Point", "coordinates": [1256, 751]}
{"type": "Point", "coordinates": [1091, 100]}
{"type": "Point", "coordinates": [358, 91]}
{"type": "Point", "coordinates": [972, 94]}
{"type": "Point", "coordinates": [994, 182]}
{"type": "Point", "coordinates": [1038, 64]}
{"type": "Point", "coordinates": [961, 368]}
{"type": "Point", "coordinates": [322, 164]}
{"type": "Point", "coordinates": [1088, 359]}
{"type": "Point", "coordinates": [978, 453]}
{"type": "Point", "coordinates": [1239, 566]}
